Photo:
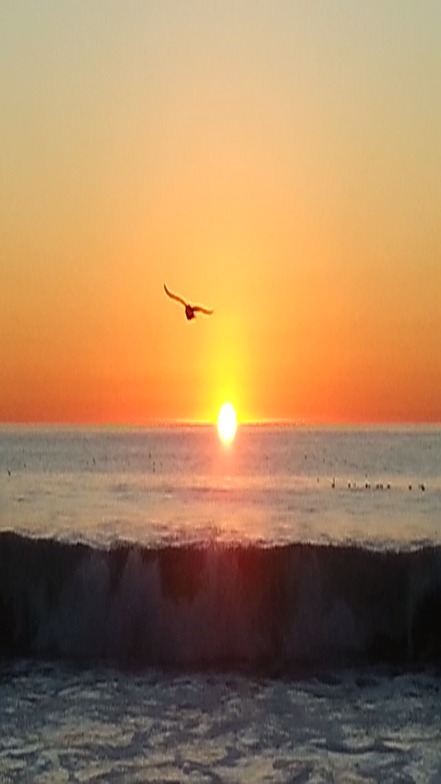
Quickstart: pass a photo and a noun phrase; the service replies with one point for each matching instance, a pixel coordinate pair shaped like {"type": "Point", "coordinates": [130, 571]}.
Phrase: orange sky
{"type": "Point", "coordinates": [278, 162]}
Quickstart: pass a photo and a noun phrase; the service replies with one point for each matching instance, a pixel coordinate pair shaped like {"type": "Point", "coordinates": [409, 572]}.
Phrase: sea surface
{"type": "Point", "coordinates": [174, 609]}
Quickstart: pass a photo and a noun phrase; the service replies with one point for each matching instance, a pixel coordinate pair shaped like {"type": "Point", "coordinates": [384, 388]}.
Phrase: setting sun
{"type": "Point", "coordinates": [227, 423]}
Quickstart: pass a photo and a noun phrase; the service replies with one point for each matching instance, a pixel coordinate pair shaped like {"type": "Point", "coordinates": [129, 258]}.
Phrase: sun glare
{"type": "Point", "coordinates": [227, 423]}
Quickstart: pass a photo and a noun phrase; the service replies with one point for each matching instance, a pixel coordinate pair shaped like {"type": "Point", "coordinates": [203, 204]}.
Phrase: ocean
{"type": "Point", "coordinates": [176, 610]}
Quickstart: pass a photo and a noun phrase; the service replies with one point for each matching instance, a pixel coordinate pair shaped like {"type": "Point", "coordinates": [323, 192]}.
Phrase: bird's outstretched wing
{"type": "Point", "coordinates": [175, 296]}
{"type": "Point", "coordinates": [200, 309]}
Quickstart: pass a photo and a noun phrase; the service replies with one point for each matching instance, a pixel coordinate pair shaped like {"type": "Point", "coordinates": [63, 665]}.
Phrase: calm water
{"type": "Point", "coordinates": [172, 610]}
{"type": "Point", "coordinates": [274, 485]}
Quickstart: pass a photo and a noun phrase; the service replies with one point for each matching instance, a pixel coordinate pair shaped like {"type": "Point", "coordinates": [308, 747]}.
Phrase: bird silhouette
{"type": "Point", "coordinates": [190, 310]}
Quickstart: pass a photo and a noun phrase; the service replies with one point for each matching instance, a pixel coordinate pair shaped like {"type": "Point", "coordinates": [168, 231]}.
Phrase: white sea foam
{"type": "Point", "coordinates": [111, 726]}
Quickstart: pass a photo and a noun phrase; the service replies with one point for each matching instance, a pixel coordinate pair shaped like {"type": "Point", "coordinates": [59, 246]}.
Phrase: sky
{"type": "Point", "coordinates": [276, 161]}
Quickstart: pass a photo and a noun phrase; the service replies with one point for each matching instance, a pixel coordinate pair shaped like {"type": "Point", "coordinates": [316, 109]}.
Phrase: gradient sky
{"type": "Point", "coordinates": [277, 161]}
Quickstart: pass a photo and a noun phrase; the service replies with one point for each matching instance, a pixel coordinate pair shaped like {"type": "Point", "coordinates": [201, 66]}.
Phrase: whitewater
{"type": "Point", "coordinates": [172, 609]}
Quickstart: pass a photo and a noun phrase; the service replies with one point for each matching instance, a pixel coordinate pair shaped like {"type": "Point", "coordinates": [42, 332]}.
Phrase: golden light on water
{"type": "Point", "coordinates": [227, 423]}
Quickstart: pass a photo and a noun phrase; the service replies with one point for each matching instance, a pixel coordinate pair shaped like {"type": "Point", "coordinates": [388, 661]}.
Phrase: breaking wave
{"type": "Point", "coordinates": [278, 608]}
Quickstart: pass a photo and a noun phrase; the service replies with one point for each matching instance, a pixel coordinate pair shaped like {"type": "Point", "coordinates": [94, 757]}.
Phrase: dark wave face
{"type": "Point", "coordinates": [280, 609]}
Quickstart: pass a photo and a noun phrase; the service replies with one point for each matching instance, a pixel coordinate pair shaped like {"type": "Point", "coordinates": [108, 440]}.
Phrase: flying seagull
{"type": "Point", "coordinates": [190, 310]}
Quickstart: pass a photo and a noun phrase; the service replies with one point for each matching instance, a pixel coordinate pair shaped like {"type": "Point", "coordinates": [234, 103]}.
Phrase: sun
{"type": "Point", "coordinates": [227, 423]}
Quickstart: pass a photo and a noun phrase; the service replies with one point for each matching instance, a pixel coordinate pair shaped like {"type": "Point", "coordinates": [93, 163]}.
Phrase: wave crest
{"type": "Point", "coordinates": [283, 608]}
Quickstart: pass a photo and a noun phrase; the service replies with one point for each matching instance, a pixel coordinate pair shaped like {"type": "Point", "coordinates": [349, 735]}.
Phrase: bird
{"type": "Point", "coordinates": [190, 310]}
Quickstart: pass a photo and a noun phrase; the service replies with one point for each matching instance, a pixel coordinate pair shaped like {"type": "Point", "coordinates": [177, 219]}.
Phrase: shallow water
{"type": "Point", "coordinates": [69, 724]}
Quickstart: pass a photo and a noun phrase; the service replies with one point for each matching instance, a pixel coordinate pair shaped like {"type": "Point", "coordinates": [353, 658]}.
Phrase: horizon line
{"type": "Point", "coordinates": [190, 422]}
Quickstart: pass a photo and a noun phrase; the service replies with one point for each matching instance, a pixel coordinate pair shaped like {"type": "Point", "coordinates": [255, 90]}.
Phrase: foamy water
{"type": "Point", "coordinates": [64, 724]}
